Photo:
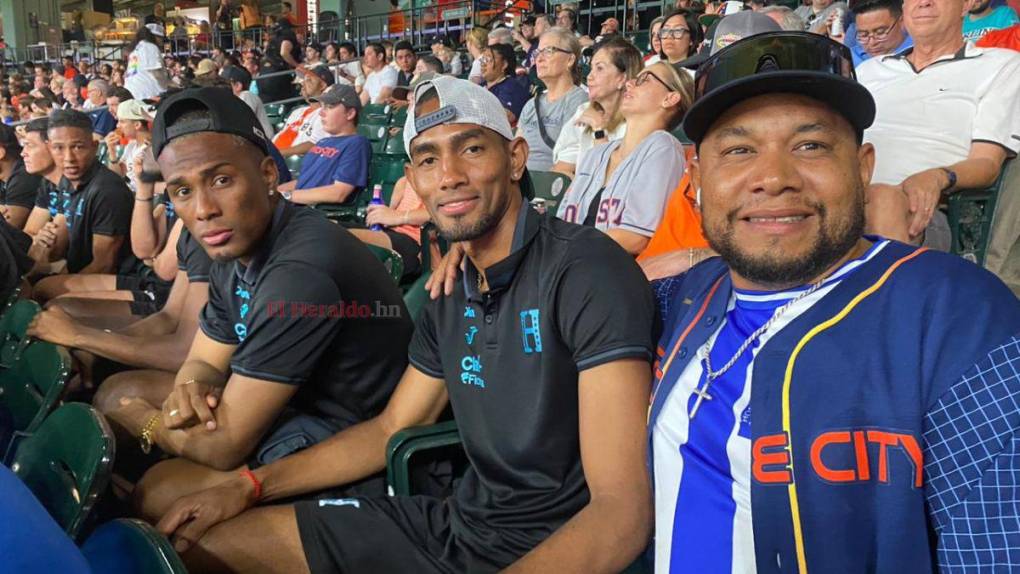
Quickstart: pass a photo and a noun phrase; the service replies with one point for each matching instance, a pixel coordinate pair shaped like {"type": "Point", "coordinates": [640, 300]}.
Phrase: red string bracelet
{"type": "Point", "coordinates": [258, 485]}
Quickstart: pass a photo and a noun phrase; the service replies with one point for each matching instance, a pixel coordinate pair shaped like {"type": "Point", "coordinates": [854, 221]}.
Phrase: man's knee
{"type": "Point", "coordinates": [238, 545]}
{"type": "Point", "coordinates": [49, 288]}
{"type": "Point", "coordinates": [116, 387]}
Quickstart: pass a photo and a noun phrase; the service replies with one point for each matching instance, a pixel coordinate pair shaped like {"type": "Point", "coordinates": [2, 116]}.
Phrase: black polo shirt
{"type": "Point", "coordinates": [316, 309]}
{"type": "Point", "coordinates": [566, 299]}
{"type": "Point", "coordinates": [49, 198]}
{"type": "Point", "coordinates": [100, 204]}
{"type": "Point", "coordinates": [192, 259]}
{"type": "Point", "coordinates": [21, 188]}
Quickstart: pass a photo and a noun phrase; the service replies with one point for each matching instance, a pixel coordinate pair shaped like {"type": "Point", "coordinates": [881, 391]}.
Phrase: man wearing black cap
{"type": "Point", "coordinates": [303, 128]}
{"type": "Point", "coordinates": [542, 353]}
{"type": "Point", "coordinates": [304, 333]}
{"type": "Point", "coordinates": [824, 400]}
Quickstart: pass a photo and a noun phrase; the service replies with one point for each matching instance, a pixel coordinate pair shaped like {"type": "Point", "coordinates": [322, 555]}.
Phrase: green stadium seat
{"type": "Point", "coordinates": [275, 112]}
{"type": "Point", "coordinates": [407, 444]}
{"type": "Point", "coordinates": [294, 165]}
{"type": "Point", "coordinates": [67, 463]}
{"type": "Point", "coordinates": [102, 152]}
{"type": "Point", "coordinates": [394, 144]}
{"type": "Point", "coordinates": [32, 386]}
{"type": "Point", "coordinates": [549, 186]}
{"type": "Point", "coordinates": [398, 117]}
{"type": "Point", "coordinates": [679, 134]}
{"type": "Point", "coordinates": [374, 113]}
{"type": "Point", "coordinates": [11, 300]}
{"type": "Point", "coordinates": [416, 297]}
{"type": "Point", "coordinates": [391, 260]}
{"type": "Point", "coordinates": [13, 325]}
{"type": "Point", "coordinates": [970, 214]}
{"type": "Point", "coordinates": [130, 546]}
{"type": "Point", "coordinates": [374, 132]}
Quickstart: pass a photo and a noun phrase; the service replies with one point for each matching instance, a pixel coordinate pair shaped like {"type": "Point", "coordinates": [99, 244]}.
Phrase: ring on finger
{"type": "Point", "coordinates": [173, 413]}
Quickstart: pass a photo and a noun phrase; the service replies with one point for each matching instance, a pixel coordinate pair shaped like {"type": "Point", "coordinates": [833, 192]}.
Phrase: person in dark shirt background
{"type": "Point", "coordinates": [97, 206]}
{"type": "Point", "coordinates": [498, 68]}
{"type": "Point", "coordinates": [18, 188]}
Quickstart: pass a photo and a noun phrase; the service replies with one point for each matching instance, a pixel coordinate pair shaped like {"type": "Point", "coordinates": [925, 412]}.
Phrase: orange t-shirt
{"type": "Point", "coordinates": [409, 201]}
{"type": "Point", "coordinates": [1005, 38]}
{"type": "Point", "coordinates": [680, 227]}
{"type": "Point", "coordinates": [289, 133]}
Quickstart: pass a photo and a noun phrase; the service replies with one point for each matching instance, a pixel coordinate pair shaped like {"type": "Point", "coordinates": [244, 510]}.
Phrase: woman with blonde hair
{"type": "Point", "coordinates": [622, 187]}
{"type": "Point", "coordinates": [599, 121]}
{"type": "Point", "coordinates": [544, 115]}
{"type": "Point", "coordinates": [477, 40]}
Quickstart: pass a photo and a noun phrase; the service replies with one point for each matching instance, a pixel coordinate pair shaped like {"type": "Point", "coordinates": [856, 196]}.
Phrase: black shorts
{"type": "Point", "coordinates": [149, 293]}
{"type": "Point", "coordinates": [383, 535]}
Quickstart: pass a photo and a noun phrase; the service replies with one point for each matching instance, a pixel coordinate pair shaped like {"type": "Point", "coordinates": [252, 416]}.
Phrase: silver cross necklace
{"type": "Point", "coordinates": [711, 376]}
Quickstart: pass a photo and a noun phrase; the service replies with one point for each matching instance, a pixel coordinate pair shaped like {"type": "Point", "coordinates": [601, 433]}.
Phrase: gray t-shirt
{"type": "Point", "coordinates": [635, 197]}
{"type": "Point", "coordinates": [255, 103]}
{"type": "Point", "coordinates": [554, 115]}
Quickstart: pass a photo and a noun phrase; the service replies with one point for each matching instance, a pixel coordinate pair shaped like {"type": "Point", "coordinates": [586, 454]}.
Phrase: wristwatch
{"type": "Point", "coordinates": [599, 134]}
{"type": "Point", "coordinates": [148, 433]}
{"type": "Point", "coordinates": [952, 178]}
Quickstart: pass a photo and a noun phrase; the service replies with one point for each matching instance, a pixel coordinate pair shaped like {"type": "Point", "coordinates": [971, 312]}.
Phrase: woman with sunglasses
{"type": "Point", "coordinates": [622, 187]}
{"type": "Point", "coordinates": [544, 115]}
{"type": "Point", "coordinates": [615, 61]}
{"type": "Point", "coordinates": [680, 36]}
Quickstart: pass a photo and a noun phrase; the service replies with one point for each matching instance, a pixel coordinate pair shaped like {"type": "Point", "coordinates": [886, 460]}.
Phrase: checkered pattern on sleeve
{"type": "Point", "coordinates": [665, 290]}
{"type": "Point", "coordinates": [972, 464]}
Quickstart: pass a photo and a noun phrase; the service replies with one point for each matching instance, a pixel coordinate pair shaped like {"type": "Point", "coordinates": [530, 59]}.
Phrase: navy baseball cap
{"type": "Point", "coordinates": [227, 115]}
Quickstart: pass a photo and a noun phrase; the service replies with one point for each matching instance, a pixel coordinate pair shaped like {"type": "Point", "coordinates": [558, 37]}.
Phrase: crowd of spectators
{"type": "Point", "coordinates": [149, 206]}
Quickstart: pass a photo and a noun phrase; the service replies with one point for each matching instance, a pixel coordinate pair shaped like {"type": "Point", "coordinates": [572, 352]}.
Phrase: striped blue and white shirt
{"type": "Point", "coordinates": [703, 465]}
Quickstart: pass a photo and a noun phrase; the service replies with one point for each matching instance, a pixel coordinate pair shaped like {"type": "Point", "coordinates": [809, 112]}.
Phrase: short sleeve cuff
{"type": "Point", "coordinates": [266, 376]}
{"type": "Point", "coordinates": [430, 371]}
{"type": "Point", "coordinates": [629, 352]}
{"type": "Point", "coordinates": [207, 330]}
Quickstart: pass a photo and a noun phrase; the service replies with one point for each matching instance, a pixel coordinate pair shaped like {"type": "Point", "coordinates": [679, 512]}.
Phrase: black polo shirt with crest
{"type": "Point", "coordinates": [566, 299]}
{"type": "Point", "coordinates": [313, 308]}
{"type": "Point", "coordinates": [101, 204]}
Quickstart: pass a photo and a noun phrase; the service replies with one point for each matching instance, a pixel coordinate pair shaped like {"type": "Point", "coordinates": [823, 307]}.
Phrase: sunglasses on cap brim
{"type": "Point", "coordinates": [773, 52]}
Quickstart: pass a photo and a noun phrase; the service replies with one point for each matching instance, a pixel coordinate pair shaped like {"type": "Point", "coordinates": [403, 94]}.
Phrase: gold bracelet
{"type": "Point", "coordinates": [145, 440]}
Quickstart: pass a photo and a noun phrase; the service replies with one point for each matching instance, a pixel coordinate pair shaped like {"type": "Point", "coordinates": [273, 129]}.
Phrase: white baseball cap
{"type": "Point", "coordinates": [460, 102]}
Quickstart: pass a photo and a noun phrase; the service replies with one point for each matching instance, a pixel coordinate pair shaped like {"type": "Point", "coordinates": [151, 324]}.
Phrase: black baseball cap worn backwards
{"type": "Point", "coordinates": [227, 115]}
{"type": "Point", "coordinates": [778, 62]}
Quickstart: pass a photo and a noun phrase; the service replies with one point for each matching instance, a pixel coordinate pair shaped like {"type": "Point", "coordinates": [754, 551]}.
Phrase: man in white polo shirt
{"type": "Point", "coordinates": [947, 119]}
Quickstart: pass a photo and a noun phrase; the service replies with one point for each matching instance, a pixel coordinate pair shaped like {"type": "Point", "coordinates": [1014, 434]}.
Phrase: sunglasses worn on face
{"type": "Point", "coordinates": [776, 52]}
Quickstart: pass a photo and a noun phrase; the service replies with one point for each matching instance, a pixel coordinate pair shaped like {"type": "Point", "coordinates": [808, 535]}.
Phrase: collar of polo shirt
{"type": "Point", "coordinates": [500, 275]}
